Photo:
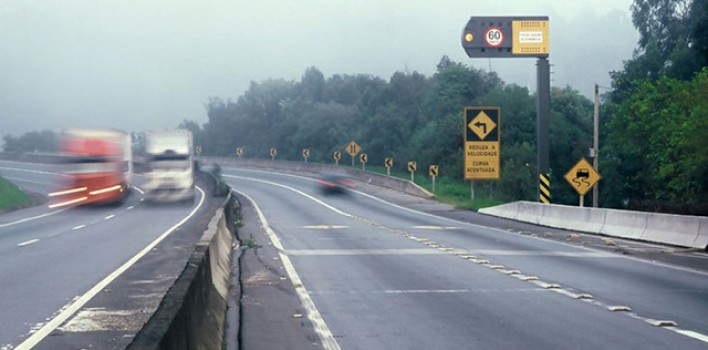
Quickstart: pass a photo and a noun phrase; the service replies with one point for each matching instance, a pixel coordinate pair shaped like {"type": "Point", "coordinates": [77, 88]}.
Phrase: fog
{"type": "Point", "coordinates": [141, 65]}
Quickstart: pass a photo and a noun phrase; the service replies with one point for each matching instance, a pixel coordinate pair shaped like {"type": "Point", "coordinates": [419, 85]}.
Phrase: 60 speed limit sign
{"type": "Point", "coordinates": [494, 37]}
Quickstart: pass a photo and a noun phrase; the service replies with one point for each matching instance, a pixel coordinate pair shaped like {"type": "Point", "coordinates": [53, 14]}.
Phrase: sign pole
{"type": "Point", "coordinates": [472, 190]}
{"type": "Point", "coordinates": [433, 184]}
{"type": "Point", "coordinates": [543, 111]}
{"type": "Point", "coordinates": [582, 201]}
{"type": "Point", "coordinates": [388, 171]}
{"type": "Point", "coordinates": [596, 145]}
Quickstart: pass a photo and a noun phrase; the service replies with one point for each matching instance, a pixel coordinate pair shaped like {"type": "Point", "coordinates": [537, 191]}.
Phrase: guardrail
{"type": "Point", "coordinates": [314, 169]}
{"type": "Point", "coordinates": [678, 230]}
{"type": "Point", "coordinates": [192, 313]}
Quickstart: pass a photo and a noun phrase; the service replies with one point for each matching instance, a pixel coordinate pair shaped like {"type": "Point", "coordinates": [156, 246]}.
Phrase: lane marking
{"type": "Point", "coordinates": [436, 227]}
{"type": "Point", "coordinates": [33, 218]}
{"type": "Point", "coordinates": [293, 190]}
{"type": "Point", "coordinates": [28, 242]}
{"type": "Point", "coordinates": [500, 252]}
{"type": "Point", "coordinates": [138, 189]}
{"type": "Point", "coordinates": [31, 171]}
{"type": "Point", "coordinates": [321, 328]}
{"type": "Point", "coordinates": [55, 322]}
{"type": "Point", "coordinates": [589, 251]}
{"type": "Point", "coordinates": [695, 335]}
{"type": "Point", "coordinates": [324, 227]}
{"type": "Point", "coordinates": [350, 252]}
{"type": "Point", "coordinates": [110, 216]}
{"type": "Point", "coordinates": [130, 207]}
{"type": "Point", "coordinates": [427, 291]}
{"type": "Point", "coordinates": [18, 179]}
{"type": "Point", "coordinates": [78, 227]}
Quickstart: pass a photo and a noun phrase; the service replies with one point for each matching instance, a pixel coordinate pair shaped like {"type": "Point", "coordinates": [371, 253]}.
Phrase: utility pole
{"type": "Point", "coordinates": [596, 145]}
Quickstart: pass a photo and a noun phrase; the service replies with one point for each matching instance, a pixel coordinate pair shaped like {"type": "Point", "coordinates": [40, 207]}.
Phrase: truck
{"type": "Point", "coordinates": [98, 167]}
{"type": "Point", "coordinates": [170, 166]}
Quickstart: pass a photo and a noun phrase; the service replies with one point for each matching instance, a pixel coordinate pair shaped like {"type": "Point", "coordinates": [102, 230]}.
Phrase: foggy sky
{"type": "Point", "coordinates": [148, 64]}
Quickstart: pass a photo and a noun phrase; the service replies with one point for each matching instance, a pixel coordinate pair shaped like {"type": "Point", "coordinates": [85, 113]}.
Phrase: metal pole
{"type": "Point", "coordinates": [433, 184]}
{"type": "Point", "coordinates": [388, 171]}
{"type": "Point", "coordinates": [472, 190]}
{"type": "Point", "coordinates": [543, 112]}
{"type": "Point", "coordinates": [596, 145]}
{"type": "Point", "coordinates": [582, 201]}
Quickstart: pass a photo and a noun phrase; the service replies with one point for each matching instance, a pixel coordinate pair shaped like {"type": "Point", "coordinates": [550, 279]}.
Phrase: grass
{"type": "Point", "coordinates": [453, 192]}
{"type": "Point", "coordinates": [11, 196]}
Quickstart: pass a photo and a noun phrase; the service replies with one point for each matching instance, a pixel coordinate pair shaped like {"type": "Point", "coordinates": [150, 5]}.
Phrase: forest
{"type": "Point", "coordinates": [653, 120]}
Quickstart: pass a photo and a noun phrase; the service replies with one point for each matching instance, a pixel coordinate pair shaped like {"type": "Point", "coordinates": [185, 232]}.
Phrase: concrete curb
{"type": "Point", "coordinates": [192, 313]}
{"type": "Point", "coordinates": [677, 230]}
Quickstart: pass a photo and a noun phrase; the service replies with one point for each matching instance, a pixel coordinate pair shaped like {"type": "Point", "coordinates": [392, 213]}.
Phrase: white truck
{"type": "Point", "coordinates": [170, 166]}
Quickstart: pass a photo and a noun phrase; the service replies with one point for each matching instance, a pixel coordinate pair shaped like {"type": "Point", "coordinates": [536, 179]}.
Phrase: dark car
{"type": "Point", "coordinates": [335, 183]}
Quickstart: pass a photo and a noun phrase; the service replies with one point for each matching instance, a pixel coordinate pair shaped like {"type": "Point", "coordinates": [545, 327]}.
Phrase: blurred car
{"type": "Point", "coordinates": [332, 183]}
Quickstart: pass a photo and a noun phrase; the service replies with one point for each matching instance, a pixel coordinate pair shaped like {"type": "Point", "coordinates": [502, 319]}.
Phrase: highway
{"type": "Point", "coordinates": [382, 276]}
{"type": "Point", "coordinates": [52, 258]}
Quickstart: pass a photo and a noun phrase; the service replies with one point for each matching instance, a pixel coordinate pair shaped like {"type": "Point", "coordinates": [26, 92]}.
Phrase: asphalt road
{"type": "Point", "coordinates": [51, 258]}
{"type": "Point", "coordinates": [382, 276]}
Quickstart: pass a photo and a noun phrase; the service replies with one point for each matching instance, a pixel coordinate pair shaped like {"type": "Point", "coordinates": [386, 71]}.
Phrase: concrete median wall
{"type": "Point", "coordinates": [192, 313]}
{"type": "Point", "coordinates": [314, 169]}
{"type": "Point", "coordinates": [678, 230]}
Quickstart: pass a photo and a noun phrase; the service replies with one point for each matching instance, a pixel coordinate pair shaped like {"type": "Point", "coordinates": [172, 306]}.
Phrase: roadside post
{"type": "Point", "coordinates": [412, 167]}
{"type": "Point", "coordinates": [433, 171]}
{"type": "Point", "coordinates": [389, 164]}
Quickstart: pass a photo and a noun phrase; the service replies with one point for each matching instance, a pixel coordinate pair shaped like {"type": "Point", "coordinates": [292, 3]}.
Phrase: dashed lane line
{"type": "Point", "coordinates": [31, 241]}
{"type": "Point", "coordinates": [48, 327]}
{"type": "Point", "coordinates": [319, 325]}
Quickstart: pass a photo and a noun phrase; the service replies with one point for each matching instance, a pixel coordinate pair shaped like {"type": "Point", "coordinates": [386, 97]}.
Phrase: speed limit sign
{"type": "Point", "coordinates": [494, 37]}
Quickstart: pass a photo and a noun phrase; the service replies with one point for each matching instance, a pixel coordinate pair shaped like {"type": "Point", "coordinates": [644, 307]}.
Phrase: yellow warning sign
{"type": "Point", "coordinates": [353, 148]}
{"type": "Point", "coordinates": [582, 177]}
{"type": "Point", "coordinates": [482, 125]}
{"type": "Point", "coordinates": [482, 143]}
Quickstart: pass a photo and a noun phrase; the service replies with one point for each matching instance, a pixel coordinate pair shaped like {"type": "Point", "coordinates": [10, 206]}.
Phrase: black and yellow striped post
{"type": "Point", "coordinates": [544, 188]}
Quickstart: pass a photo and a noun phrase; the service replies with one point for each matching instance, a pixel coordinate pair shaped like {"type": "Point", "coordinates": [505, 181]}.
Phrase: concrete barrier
{"type": "Point", "coordinates": [192, 313]}
{"type": "Point", "coordinates": [529, 212]}
{"type": "Point", "coordinates": [624, 223]}
{"type": "Point", "coordinates": [572, 218]}
{"type": "Point", "coordinates": [702, 238]}
{"type": "Point", "coordinates": [678, 230]}
{"type": "Point", "coordinates": [673, 229]}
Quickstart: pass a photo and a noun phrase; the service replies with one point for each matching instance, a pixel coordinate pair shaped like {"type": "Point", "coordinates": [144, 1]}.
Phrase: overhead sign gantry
{"type": "Point", "coordinates": [519, 37]}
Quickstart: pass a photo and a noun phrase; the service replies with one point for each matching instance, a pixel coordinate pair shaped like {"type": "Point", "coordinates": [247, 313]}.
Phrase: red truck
{"type": "Point", "coordinates": [98, 170]}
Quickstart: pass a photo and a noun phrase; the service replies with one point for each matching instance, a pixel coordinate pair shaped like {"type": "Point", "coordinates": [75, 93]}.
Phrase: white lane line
{"type": "Point", "coordinates": [130, 207]}
{"type": "Point", "coordinates": [78, 227]}
{"type": "Point", "coordinates": [321, 328]}
{"type": "Point", "coordinates": [436, 227]}
{"type": "Point", "coordinates": [138, 189]}
{"type": "Point", "coordinates": [18, 179]}
{"type": "Point", "coordinates": [28, 242]}
{"type": "Point", "coordinates": [51, 325]}
{"type": "Point", "coordinates": [110, 216]}
{"type": "Point", "coordinates": [348, 252]}
{"type": "Point", "coordinates": [294, 190]}
{"type": "Point", "coordinates": [692, 334]}
{"type": "Point", "coordinates": [30, 171]}
{"type": "Point", "coordinates": [32, 218]}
